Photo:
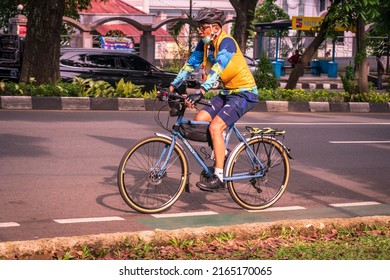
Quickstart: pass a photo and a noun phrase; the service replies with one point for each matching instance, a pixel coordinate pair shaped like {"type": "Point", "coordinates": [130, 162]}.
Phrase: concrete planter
{"type": "Point", "coordinates": [101, 103]}
{"type": "Point", "coordinates": [319, 106]}
{"type": "Point", "coordinates": [357, 107]}
{"type": "Point", "coordinates": [76, 103]}
{"type": "Point", "coordinates": [16, 102]}
{"type": "Point", "coordinates": [151, 105]}
{"type": "Point", "coordinates": [131, 104]}
{"type": "Point", "coordinates": [46, 103]}
{"type": "Point", "coordinates": [277, 106]}
{"type": "Point", "coordinates": [339, 106]}
{"type": "Point", "coordinates": [139, 104]}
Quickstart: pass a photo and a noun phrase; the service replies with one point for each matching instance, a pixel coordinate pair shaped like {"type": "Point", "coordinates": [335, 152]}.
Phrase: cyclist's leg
{"type": "Point", "coordinates": [216, 128]}
{"type": "Point", "coordinates": [236, 106]}
{"type": "Point", "coordinates": [217, 125]}
{"type": "Point", "coordinates": [203, 116]}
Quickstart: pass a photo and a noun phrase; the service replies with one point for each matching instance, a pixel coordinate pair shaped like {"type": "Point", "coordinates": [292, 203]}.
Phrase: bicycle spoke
{"type": "Point", "coordinates": [259, 192]}
{"type": "Point", "coordinates": [150, 181]}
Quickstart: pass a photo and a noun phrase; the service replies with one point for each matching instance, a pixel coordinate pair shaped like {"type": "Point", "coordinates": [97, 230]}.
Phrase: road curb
{"type": "Point", "coordinates": [139, 104]}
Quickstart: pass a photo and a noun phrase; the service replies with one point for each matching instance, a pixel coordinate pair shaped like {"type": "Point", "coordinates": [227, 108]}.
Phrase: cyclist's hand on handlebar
{"type": "Point", "coordinates": [194, 98]}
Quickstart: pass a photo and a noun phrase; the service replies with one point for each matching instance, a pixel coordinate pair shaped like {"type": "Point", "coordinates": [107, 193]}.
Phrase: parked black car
{"type": "Point", "coordinates": [11, 53]}
{"type": "Point", "coordinates": [111, 66]}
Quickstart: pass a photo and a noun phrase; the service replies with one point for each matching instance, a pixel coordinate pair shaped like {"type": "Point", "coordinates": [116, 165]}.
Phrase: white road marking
{"type": "Point", "coordinates": [359, 142]}
{"type": "Point", "coordinates": [186, 214]}
{"type": "Point", "coordinates": [304, 123]}
{"type": "Point", "coordinates": [273, 209]}
{"type": "Point", "coordinates": [364, 203]}
{"type": "Point", "coordinates": [10, 224]}
{"type": "Point", "coordinates": [88, 220]}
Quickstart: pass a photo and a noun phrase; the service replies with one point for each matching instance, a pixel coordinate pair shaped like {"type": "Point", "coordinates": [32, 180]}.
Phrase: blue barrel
{"type": "Point", "coordinates": [332, 69]}
{"type": "Point", "coordinates": [315, 67]}
{"type": "Point", "coordinates": [282, 72]}
{"type": "Point", "coordinates": [278, 68]}
{"type": "Point", "coordinates": [324, 66]}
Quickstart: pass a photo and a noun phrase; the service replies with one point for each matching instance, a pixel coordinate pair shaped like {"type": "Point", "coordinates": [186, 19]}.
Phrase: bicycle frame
{"type": "Point", "coordinates": [255, 161]}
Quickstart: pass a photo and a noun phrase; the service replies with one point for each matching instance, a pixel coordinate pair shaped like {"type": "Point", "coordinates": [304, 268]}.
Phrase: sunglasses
{"type": "Point", "coordinates": [203, 28]}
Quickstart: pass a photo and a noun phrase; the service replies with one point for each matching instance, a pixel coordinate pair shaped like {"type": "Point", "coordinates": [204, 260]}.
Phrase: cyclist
{"type": "Point", "coordinates": [220, 53]}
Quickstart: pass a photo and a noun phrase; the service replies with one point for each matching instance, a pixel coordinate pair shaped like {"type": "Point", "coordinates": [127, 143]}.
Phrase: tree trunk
{"type": "Point", "coordinates": [329, 20]}
{"type": "Point", "coordinates": [306, 57]}
{"type": "Point", "coordinates": [361, 73]}
{"type": "Point", "coordinates": [245, 11]}
{"type": "Point", "coordinates": [42, 53]}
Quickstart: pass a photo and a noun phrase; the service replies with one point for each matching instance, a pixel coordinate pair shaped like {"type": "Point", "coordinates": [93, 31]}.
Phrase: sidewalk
{"type": "Point", "coordinates": [309, 81]}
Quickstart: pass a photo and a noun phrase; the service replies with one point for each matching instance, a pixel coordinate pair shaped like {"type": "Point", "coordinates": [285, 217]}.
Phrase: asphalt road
{"type": "Point", "coordinates": [58, 172]}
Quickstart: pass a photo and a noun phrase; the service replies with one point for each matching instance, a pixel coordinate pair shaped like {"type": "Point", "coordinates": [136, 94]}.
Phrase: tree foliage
{"type": "Point", "coordinates": [245, 11]}
{"type": "Point", "coordinates": [268, 11]}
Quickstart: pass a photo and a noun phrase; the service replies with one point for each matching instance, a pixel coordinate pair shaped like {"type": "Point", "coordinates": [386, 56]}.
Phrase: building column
{"type": "Point", "coordinates": [147, 46]}
{"type": "Point", "coordinates": [87, 40]}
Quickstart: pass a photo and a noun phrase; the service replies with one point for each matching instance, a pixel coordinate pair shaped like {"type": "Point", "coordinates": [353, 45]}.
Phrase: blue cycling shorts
{"type": "Point", "coordinates": [230, 108]}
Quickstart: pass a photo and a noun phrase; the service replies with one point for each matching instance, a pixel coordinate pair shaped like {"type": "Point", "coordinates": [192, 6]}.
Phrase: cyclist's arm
{"type": "Point", "coordinates": [194, 61]}
{"type": "Point", "coordinates": [226, 50]}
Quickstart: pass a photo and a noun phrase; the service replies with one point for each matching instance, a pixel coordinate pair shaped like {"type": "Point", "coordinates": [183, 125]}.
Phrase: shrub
{"type": "Point", "coordinates": [264, 74]}
{"type": "Point", "coordinates": [127, 89]}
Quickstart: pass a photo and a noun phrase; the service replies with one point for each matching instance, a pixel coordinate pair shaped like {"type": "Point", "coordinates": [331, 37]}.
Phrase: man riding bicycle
{"type": "Point", "coordinates": [220, 53]}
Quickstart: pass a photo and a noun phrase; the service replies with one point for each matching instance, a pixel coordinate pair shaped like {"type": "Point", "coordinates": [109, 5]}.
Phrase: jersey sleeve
{"type": "Point", "coordinates": [193, 62]}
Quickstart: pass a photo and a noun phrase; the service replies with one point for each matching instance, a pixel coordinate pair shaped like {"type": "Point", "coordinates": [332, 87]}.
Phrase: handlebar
{"type": "Point", "coordinates": [165, 94]}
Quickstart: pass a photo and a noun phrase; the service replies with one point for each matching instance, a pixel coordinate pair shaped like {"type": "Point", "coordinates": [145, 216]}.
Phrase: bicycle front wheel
{"type": "Point", "coordinates": [258, 193]}
{"type": "Point", "coordinates": [149, 179]}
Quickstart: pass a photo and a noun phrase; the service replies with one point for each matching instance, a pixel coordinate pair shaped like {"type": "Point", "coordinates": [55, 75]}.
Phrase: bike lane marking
{"type": "Point", "coordinates": [88, 220]}
{"type": "Point", "coordinates": [363, 203]}
{"type": "Point", "coordinates": [186, 214]}
{"type": "Point", "coordinates": [9, 224]}
{"type": "Point", "coordinates": [359, 142]}
{"type": "Point", "coordinates": [272, 209]}
{"type": "Point", "coordinates": [313, 123]}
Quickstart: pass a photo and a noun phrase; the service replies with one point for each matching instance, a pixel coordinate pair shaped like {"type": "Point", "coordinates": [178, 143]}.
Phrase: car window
{"type": "Point", "coordinates": [133, 63]}
{"type": "Point", "coordinates": [75, 61]}
{"type": "Point", "coordinates": [99, 61]}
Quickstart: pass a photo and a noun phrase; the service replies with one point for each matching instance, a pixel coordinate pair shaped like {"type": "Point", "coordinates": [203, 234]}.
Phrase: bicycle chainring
{"type": "Point", "coordinates": [203, 175]}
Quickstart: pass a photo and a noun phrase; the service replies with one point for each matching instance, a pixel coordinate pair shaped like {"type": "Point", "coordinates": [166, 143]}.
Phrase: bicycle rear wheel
{"type": "Point", "coordinates": [262, 192]}
{"type": "Point", "coordinates": [143, 184]}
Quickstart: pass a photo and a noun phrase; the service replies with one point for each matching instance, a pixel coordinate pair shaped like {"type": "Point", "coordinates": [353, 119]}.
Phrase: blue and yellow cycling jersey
{"type": "Point", "coordinates": [227, 63]}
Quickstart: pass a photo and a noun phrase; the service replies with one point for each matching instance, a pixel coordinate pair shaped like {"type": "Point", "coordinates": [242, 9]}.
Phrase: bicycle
{"type": "Point", "coordinates": [154, 173]}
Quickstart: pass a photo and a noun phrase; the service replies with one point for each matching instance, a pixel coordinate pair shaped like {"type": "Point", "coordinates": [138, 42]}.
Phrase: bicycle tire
{"type": "Point", "coordinates": [260, 193]}
{"type": "Point", "coordinates": [138, 183]}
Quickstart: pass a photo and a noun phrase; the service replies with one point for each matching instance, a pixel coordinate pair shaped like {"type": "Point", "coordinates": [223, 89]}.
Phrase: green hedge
{"type": "Point", "coordinates": [322, 95]}
{"type": "Point", "coordinates": [89, 88]}
{"type": "Point", "coordinates": [77, 88]}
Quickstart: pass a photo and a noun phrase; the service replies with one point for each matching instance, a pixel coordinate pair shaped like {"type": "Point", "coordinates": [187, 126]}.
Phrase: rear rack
{"type": "Point", "coordinates": [264, 131]}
